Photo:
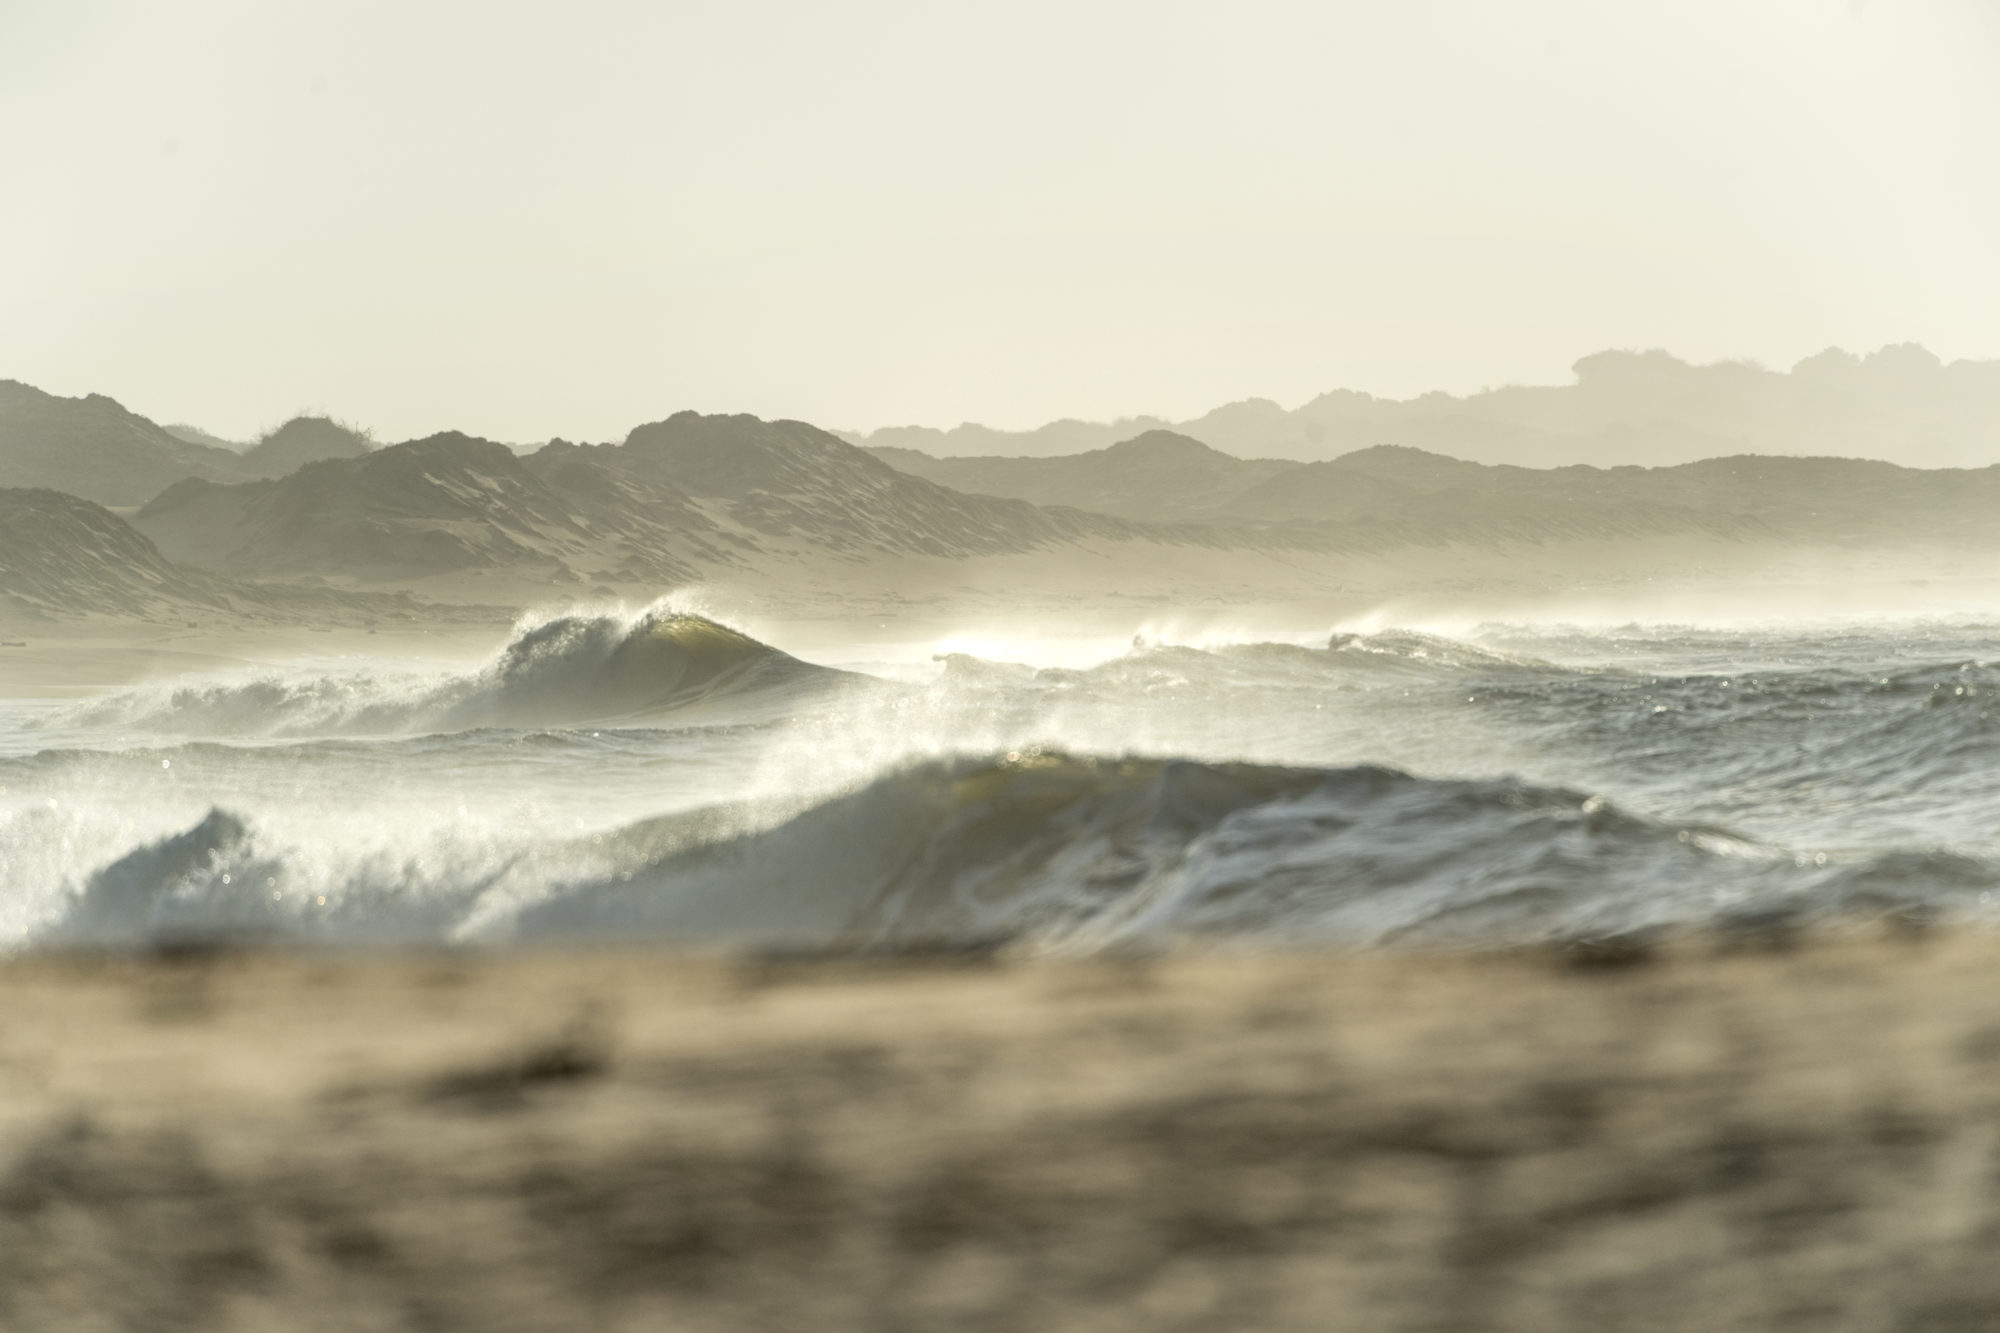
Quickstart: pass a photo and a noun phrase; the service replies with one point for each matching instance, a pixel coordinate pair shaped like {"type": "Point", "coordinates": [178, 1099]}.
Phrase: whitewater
{"type": "Point", "coordinates": [659, 774]}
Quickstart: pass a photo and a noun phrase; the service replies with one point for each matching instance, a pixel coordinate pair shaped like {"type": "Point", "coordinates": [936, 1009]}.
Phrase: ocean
{"type": "Point", "coordinates": [658, 775]}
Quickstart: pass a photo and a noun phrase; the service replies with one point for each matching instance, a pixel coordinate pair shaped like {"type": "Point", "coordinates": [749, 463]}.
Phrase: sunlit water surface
{"type": "Point", "coordinates": [656, 773]}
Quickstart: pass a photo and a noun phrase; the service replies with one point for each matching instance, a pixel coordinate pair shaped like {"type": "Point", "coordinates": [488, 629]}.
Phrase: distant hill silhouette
{"type": "Point", "coordinates": [1155, 477]}
{"type": "Point", "coordinates": [1900, 404]}
{"type": "Point", "coordinates": [300, 441]}
{"type": "Point", "coordinates": [1389, 495]}
{"type": "Point", "coordinates": [1362, 486]}
{"type": "Point", "coordinates": [187, 434]}
{"type": "Point", "coordinates": [94, 448]}
{"type": "Point", "coordinates": [787, 479]}
{"type": "Point", "coordinates": [694, 495]}
{"type": "Point", "coordinates": [431, 506]}
{"type": "Point", "coordinates": [682, 495]}
{"type": "Point", "coordinates": [1164, 476]}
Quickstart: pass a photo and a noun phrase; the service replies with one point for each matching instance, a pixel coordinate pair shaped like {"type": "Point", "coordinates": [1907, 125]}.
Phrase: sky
{"type": "Point", "coordinates": [530, 220]}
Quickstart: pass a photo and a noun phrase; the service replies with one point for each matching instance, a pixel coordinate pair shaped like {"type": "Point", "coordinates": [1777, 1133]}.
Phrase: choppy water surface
{"type": "Point", "coordinates": [660, 774]}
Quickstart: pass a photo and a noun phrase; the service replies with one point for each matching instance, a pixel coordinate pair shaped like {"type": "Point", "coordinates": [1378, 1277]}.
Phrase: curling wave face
{"type": "Point", "coordinates": [1079, 852]}
{"type": "Point", "coordinates": [1049, 850]}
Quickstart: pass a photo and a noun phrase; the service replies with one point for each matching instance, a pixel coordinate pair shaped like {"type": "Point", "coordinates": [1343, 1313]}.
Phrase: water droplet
{"type": "Point", "coordinates": [225, 879]}
{"type": "Point", "coordinates": [166, 763]}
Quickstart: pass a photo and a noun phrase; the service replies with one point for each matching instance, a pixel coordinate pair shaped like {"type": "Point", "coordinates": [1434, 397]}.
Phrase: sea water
{"type": "Point", "coordinates": [658, 774]}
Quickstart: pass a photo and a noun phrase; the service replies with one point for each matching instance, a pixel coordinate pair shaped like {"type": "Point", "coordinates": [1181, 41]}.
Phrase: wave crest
{"type": "Point", "coordinates": [1073, 852]}
{"type": "Point", "coordinates": [1050, 850]}
{"type": "Point", "coordinates": [564, 670]}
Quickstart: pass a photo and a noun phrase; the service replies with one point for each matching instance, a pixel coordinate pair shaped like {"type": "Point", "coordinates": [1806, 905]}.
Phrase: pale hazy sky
{"type": "Point", "coordinates": [534, 219]}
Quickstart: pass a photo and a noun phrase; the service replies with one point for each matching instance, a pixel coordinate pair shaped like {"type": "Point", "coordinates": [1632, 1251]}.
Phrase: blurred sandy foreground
{"type": "Point", "coordinates": [1711, 1138]}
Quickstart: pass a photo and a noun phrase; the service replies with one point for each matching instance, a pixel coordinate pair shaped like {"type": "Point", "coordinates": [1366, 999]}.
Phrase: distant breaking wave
{"type": "Point", "coordinates": [1367, 658]}
{"type": "Point", "coordinates": [596, 667]}
{"type": "Point", "coordinates": [564, 671]}
{"type": "Point", "coordinates": [1048, 850]}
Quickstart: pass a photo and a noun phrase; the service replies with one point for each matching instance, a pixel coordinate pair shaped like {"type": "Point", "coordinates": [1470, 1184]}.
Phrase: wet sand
{"type": "Point", "coordinates": [1711, 1138]}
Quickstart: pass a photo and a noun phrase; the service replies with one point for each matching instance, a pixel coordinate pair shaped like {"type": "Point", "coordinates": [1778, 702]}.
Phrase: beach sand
{"type": "Point", "coordinates": [1711, 1136]}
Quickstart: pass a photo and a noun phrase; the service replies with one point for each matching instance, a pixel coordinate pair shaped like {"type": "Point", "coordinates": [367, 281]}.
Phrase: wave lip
{"type": "Point", "coordinates": [599, 667]}
{"type": "Point", "coordinates": [565, 670]}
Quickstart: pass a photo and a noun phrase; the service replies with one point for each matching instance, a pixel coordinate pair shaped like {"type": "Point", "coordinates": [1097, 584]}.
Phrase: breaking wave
{"type": "Point", "coordinates": [662, 775]}
{"type": "Point", "coordinates": [1347, 658]}
{"type": "Point", "coordinates": [1046, 849]}
{"type": "Point", "coordinates": [565, 670]}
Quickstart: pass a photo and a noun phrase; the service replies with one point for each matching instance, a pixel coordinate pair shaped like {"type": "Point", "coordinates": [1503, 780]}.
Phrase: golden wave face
{"type": "Point", "coordinates": [604, 667]}
{"type": "Point", "coordinates": [682, 651]}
